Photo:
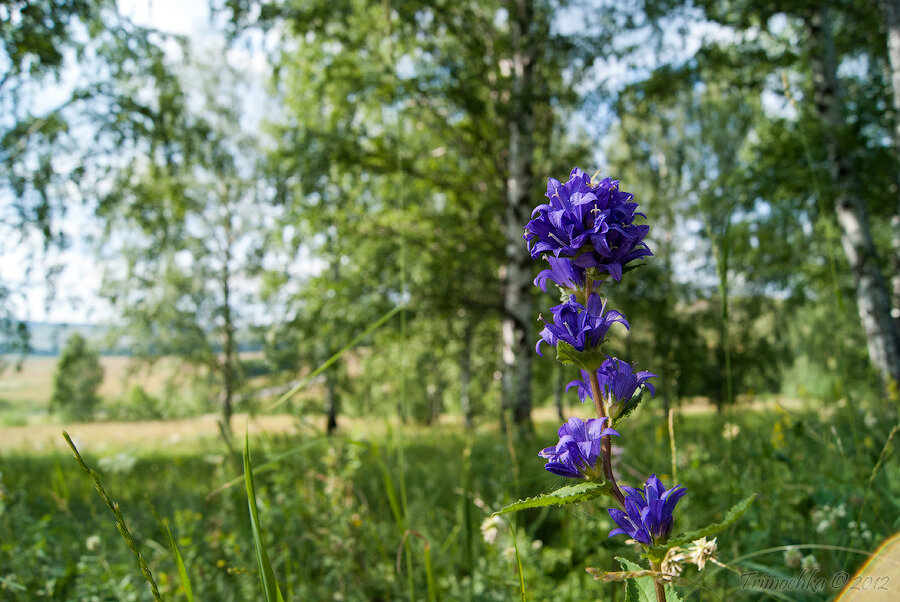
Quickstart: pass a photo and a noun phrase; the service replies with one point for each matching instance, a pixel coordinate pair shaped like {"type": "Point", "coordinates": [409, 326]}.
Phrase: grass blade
{"type": "Point", "coordinates": [182, 571]}
{"type": "Point", "coordinates": [324, 366]}
{"type": "Point", "coordinates": [120, 520]}
{"type": "Point", "coordinates": [266, 575]}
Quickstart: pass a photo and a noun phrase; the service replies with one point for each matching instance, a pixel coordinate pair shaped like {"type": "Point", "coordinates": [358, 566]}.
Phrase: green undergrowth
{"type": "Point", "coordinates": [332, 531]}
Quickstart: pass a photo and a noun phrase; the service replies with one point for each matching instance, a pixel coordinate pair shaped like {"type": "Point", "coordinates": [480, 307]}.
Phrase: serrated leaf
{"type": "Point", "coordinates": [637, 589]}
{"type": "Point", "coordinates": [569, 494]}
{"type": "Point", "coordinates": [586, 360]}
{"type": "Point", "coordinates": [633, 592]}
{"type": "Point", "coordinates": [630, 405]}
{"type": "Point", "coordinates": [736, 512]}
{"type": "Point", "coordinates": [642, 589]}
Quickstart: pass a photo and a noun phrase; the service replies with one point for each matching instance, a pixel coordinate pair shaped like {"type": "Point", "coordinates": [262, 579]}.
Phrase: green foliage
{"type": "Point", "coordinates": [77, 378]}
{"type": "Point", "coordinates": [182, 570]}
{"type": "Point", "coordinates": [586, 360]}
{"type": "Point", "coordinates": [731, 517]}
{"type": "Point", "coordinates": [329, 526]}
{"type": "Point", "coordinates": [71, 113]}
{"type": "Point", "coordinates": [121, 526]}
{"type": "Point", "coordinates": [641, 589]}
{"type": "Point", "coordinates": [270, 588]}
{"type": "Point", "coordinates": [570, 494]}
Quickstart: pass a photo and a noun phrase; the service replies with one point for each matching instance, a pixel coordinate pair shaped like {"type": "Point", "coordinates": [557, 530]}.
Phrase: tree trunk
{"type": "Point", "coordinates": [465, 375]}
{"type": "Point", "coordinates": [228, 336]}
{"type": "Point", "coordinates": [892, 17]}
{"type": "Point", "coordinates": [517, 277]}
{"type": "Point", "coordinates": [332, 403]}
{"type": "Point", "coordinates": [872, 297]}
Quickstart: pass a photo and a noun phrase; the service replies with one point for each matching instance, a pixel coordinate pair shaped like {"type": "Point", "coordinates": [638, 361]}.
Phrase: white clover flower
{"type": "Point", "coordinates": [823, 526]}
{"type": "Point", "coordinates": [509, 553]}
{"type": "Point", "coordinates": [92, 543]}
{"type": "Point", "coordinates": [731, 431]}
{"type": "Point", "coordinates": [490, 529]}
{"type": "Point", "coordinates": [701, 551]}
{"type": "Point", "coordinates": [793, 557]}
{"type": "Point", "coordinates": [809, 563]}
{"type": "Point", "coordinates": [537, 544]}
{"type": "Point", "coordinates": [871, 420]}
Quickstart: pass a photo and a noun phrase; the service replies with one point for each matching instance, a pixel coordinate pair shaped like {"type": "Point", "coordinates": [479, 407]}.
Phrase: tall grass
{"type": "Point", "coordinates": [332, 529]}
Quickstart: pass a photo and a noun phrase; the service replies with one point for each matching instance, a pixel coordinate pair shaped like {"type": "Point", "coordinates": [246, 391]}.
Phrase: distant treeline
{"type": "Point", "coordinates": [47, 340]}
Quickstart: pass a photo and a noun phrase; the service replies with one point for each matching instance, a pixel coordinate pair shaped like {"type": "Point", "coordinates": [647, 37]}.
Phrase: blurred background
{"type": "Point", "coordinates": [304, 218]}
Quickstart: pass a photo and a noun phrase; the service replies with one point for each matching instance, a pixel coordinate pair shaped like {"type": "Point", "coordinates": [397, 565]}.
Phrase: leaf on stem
{"type": "Point", "coordinates": [642, 588]}
{"type": "Point", "coordinates": [569, 494]}
{"type": "Point", "coordinates": [589, 361]}
{"type": "Point", "coordinates": [684, 538]}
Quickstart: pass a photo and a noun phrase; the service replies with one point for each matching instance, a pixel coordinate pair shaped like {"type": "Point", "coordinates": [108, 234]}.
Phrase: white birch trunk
{"type": "Point", "coordinates": [517, 277]}
{"type": "Point", "coordinates": [892, 17]}
{"type": "Point", "coordinates": [872, 297]}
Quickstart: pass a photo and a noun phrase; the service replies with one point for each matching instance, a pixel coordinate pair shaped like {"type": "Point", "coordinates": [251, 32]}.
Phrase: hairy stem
{"type": "Point", "coordinates": [657, 582]}
{"type": "Point", "coordinates": [606, 440]}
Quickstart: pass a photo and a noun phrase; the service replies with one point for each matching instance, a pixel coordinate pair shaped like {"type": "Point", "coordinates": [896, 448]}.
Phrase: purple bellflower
{"type": "Point", "coordinates": [584, 328]}
{"type": "Point", "coordinates": [648, 512]}
{"type": "Point", "coordinates": [565, 224]}
{"type": "Point", "coordinates": [577, 454]}
{"type": "Point", "coordinates": [563, 272]}
{"type": "Point", "coordinates": [591, 223]}
{"type": "Point", "coordinates": [618, 384]}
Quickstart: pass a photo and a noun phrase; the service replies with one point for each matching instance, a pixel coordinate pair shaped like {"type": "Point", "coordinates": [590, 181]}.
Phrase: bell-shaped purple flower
{"type": "Point", "coordinates": [591, 223]}
{"type": "Point", "coordinates": [648, 512]}
{"type": "Point", "coordinates": [584, 328]}
{"type": "Point", "coordinates": [577, 454]}
{"type": "Point", "coordinates": [563, 272]}
{"type": "Point", "coordinates": [618, 383]}
{"type": "Point", "coordinates": [564, 225]}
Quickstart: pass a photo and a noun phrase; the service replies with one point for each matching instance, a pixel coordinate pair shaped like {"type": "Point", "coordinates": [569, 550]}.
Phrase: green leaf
{"type": "Point", "coordinates": [270, 586]}
{"type": "Point", "coordinates": [569, 494]}
{"type": "Point", "coordinates": [637, 590]}
{"type": "Point", "coordinates": [182, 571]}
{"type": "Point", "coordinates": [630, 405]}
{"type": "Point", "coordinates": [642, 589]}
{"type": "Point", "coordinates": [586, 360]}
{"type": "Point", "coordinates": [684, 538]}
{"type": "Point", "coordinates": [633, 593]}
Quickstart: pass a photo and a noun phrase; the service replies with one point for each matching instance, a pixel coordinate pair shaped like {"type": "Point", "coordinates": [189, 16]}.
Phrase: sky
{"type": "Point", "coordinates": [75, 297]}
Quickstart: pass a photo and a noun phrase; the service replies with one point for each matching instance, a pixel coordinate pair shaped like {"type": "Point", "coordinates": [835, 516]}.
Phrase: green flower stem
{"type": "Point", "coordinates": [606, 440]}
{"type": "Point", "coordinates": [657, 581]}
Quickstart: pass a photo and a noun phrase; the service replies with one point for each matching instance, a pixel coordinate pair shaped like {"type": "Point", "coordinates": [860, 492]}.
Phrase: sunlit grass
{"type": "Point", "coordinates": [330, 526]}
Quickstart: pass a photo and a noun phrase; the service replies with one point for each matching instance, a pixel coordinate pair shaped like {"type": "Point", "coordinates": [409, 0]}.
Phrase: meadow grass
{"type": "Point", "coordinates": [334, 525]}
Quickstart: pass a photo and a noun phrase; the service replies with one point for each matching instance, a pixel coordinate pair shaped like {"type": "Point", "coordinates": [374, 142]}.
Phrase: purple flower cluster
{"type": "Point", "coordinates": [584, 328]}
{"type": "Point", "coordinates": [648, 512]}
{"type": "Point", "coordinates": [577, 453]}
{"type": "Point", "coordinates": [586, 233]}
{"type": "Point", "coordinates": [591, 224]}
{"type": "Point", "coordinates": [618, 384]}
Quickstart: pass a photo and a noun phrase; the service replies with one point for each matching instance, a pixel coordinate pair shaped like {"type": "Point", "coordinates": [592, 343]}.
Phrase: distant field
{"type": "Point", "coordinates": [25, 393]}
